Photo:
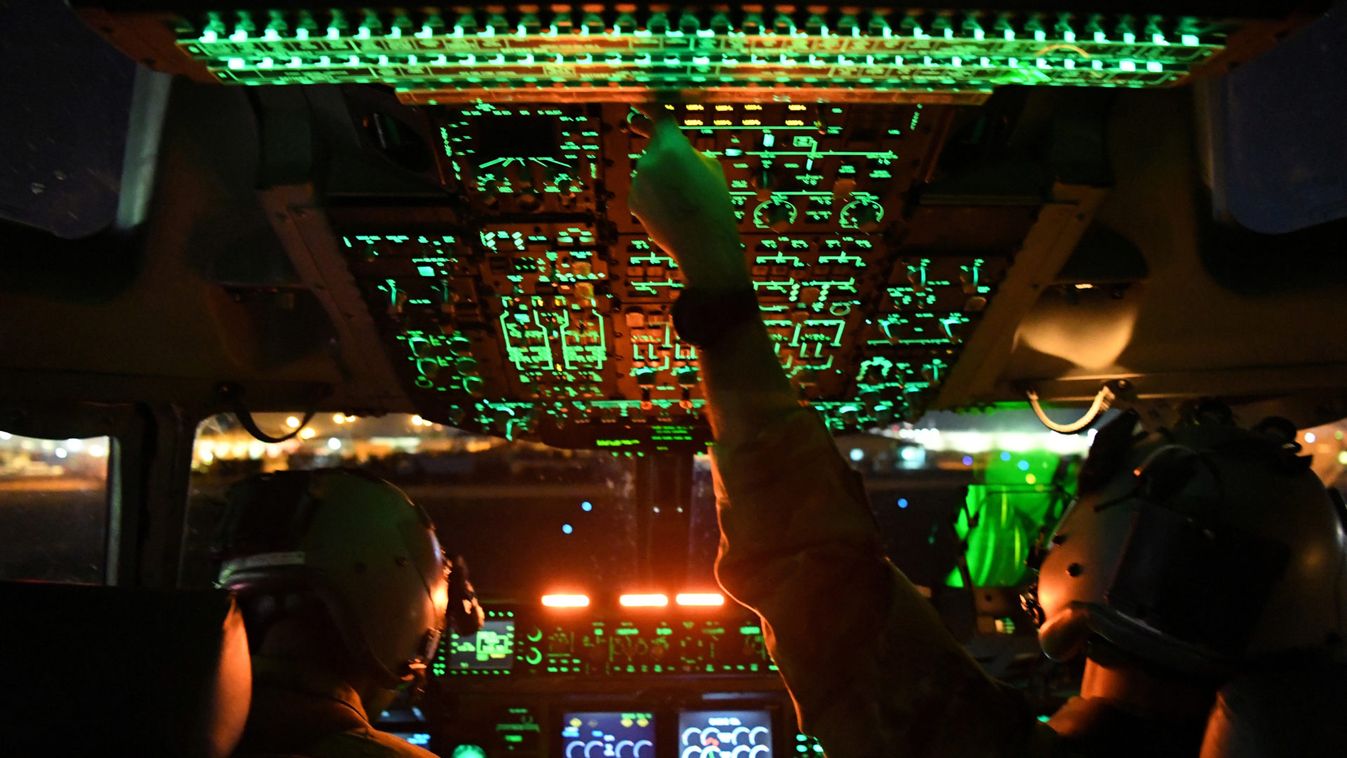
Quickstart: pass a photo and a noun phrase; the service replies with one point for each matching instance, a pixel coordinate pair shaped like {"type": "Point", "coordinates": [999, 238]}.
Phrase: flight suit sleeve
{"type": "Point", "coordinates": [870, 666]}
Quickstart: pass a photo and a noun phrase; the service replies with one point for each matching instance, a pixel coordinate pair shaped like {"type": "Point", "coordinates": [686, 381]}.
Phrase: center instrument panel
{"type": "Point", "coordinates": [640, 683]}
{"type": "Point", "coordinates": [653, 676]}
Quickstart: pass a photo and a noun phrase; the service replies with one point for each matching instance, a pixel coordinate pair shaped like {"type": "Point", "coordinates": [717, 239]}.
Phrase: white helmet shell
{"type": "Point", "coordinates": [1205, 545]}
{"type": "Point", "coordinates": [366, 550]}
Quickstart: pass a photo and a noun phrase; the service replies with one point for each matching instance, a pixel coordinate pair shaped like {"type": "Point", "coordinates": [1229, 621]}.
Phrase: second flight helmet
{"type": "Point", "coordinates": [357, 543]}
{"type": "Point", "coordinates": [1197, 547]}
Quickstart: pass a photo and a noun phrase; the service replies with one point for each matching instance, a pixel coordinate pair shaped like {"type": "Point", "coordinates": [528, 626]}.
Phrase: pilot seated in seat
{"type": "Point", "coordinates": [1192, 556]}
{"type": "Point", "coordinates": [345, 591]}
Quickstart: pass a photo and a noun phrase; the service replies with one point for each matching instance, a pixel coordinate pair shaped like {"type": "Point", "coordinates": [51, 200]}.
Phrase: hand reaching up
{"type": "Point", "coordinates": [681, 197]}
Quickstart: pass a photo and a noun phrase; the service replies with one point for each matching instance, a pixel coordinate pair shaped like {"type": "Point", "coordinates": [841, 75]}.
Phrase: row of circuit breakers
{"type": "Point", "coordinates": [546, 313]}
{"type": "Point", "coordinates": [618, 52]}
{"type": "Point", "coordinates": [532, 305]}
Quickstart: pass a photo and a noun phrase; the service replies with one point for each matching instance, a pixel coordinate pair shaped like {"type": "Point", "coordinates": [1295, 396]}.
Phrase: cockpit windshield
{"type": "Point", "coordinates": [960, 498]}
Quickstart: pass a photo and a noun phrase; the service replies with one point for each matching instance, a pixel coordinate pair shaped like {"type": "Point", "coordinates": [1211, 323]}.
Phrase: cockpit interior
{"type": "Point", "coordinates": [266, 236]}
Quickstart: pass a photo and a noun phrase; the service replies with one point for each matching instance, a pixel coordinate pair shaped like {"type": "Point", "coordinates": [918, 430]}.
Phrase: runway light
{"type": "Point", "coordinates": [700, 599]}
{"type": "Point", "coordinates": [292, 422]}
{"type": "Point", "coordinates": [1310, 437]}
{"type": "Point", "coordinates": [643, 600]}
{"type": "Point", "coordinates": [565, 601]}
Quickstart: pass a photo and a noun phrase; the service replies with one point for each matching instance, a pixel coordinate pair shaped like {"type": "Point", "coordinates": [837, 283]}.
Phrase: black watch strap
{"type": "Point", "coordinates": [703, 317]}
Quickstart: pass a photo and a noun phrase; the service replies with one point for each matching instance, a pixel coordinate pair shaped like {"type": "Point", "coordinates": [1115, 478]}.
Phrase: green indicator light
{"type": "Point", "coordinates": [627, 632]}
{"type": "Point", "coordinates": [749, 631]}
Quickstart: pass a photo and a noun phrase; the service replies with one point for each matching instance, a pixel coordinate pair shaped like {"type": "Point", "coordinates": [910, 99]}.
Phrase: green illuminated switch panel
{"type": "Point", "coordinates": [590, 53]}
{"type": "Point", "coordinates": [538, 308]}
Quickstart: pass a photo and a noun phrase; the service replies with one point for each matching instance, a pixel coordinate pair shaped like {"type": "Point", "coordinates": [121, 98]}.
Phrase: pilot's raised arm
{"type": "Point", "coordinates": [1200, 565]}
{"type": "Point", "coordinates": [872, 670]}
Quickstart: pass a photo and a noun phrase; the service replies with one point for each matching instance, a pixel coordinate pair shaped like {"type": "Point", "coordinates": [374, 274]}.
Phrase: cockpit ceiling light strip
{"type": "Point", "coordinates": [873, 55]}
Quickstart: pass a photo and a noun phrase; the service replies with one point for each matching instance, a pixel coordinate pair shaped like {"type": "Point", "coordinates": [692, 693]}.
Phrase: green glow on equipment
{"type": "Point", "coordinates": [1003, 515]}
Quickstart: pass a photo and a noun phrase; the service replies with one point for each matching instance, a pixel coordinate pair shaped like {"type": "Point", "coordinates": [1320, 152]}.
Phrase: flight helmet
{"type": "Point", "coordinates": [357, 543]}
{"type": "Point", "coordinates": [1196, 547]}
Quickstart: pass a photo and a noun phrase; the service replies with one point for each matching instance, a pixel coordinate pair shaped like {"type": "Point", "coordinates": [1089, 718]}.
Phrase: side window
{"type": "Point", "coordinates": [53, 509]}
{"type": "Point", "coordinates": [1327, 447]}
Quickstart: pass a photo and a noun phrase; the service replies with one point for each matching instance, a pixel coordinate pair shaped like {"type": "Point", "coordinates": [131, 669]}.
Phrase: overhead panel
{"type": "Point", "coordinates": [525, 300]}
{"type": "Point", "coordinates": [541, 308]}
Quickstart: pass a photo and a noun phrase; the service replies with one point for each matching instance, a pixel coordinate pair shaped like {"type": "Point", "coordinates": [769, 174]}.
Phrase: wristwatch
{"type": "Point", "coordinates": [703, 317]}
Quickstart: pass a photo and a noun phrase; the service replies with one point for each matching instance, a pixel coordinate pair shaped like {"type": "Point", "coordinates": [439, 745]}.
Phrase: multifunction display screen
{"type": "Point", "coordinates": [724, 734]}
{"type": "Point", "coordinates": [491, 648]}
{"type": "Point", "coordinates": [608, 734]}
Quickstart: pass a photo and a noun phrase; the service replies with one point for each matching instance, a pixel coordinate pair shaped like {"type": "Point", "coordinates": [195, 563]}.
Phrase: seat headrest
{"type": "Point", "coordinates": [108, 671]}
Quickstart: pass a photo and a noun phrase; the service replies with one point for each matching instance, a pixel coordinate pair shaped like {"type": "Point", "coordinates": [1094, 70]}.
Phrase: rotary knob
{"type": "Point", "coordinates": [776, 214]}
{"type": "Point", "coordinates": [862, 214]}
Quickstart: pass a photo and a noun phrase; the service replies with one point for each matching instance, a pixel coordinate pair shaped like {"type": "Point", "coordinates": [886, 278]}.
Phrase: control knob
{"type": "Point", "coordinates": [862, 214]}
{"type": "Point", "coordinates": [776, 214]}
